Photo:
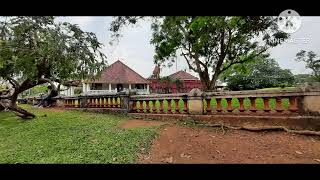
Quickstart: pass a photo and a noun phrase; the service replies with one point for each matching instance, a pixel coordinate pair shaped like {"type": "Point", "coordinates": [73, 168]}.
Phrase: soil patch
{"type": "Point", "coordinates": [177, 144]}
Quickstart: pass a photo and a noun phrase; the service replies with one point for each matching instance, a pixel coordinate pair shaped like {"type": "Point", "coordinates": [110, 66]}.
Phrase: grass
{"type": "Point", "coordinates": [70, 137]}
{"type": "Point", "coordinates": [213, 103]}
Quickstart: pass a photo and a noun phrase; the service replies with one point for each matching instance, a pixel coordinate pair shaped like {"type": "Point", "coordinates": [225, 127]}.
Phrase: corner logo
{"type": "Point", "coordinates": [289, 21]}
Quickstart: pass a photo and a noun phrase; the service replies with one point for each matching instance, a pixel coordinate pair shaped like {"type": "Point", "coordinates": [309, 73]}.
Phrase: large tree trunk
{"type": "Point", "coordinates": [20, 112]}
{"type": "Point", "coordinates": [213, 81]}
{"type": "Point", "coordinates": [53, 93]}
{"type": "Point", "coordinates": [9, 100]}
{"type": "Point", "coordinates": [205, 79]}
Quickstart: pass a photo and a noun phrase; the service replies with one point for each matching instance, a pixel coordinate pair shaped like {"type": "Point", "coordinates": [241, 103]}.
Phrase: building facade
{"type": "Point", "coordinates": [116, 78]}
{"type": "Point", "coordinates": [179, 82]}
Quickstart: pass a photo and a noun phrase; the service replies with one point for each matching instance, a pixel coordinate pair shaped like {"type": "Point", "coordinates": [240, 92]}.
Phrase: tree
{"type": "Point", "coordinates": [312, 62]}
{"type": "Point", "coordinates": [261, 73]}
{"type": "Point", "coordinates": [210, 45]}
{"type": "Point", "coordinates": [303, 78]}
{"type": "Point", "coordinates": [38, 50]}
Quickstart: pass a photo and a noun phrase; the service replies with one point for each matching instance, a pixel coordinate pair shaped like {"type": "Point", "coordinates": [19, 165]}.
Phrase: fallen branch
{"type": "Point", "coordinates": [265, 128]}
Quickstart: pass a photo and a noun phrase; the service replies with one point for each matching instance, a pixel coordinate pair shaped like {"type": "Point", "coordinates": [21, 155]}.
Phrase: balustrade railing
{"type": "Point", "coordinates": [160, 103]}
{"type": "Point", "coordinates": [252, 102]}
{"type": "Point", "coordinates": [227, 102]}
{"type": "Point", "coordinates": [98, 101]}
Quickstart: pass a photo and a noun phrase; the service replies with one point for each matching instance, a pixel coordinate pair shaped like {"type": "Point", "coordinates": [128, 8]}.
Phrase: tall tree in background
{"type": "Point", "coordinates": [312, 62]}
{"type": "Point", "coordinates": [210, 45]}
{"type": "Point", "coordinates": [258, 74]}
{"type": "Point", "coordinates": [37, 50]}
{"type": "Point", "coordinates": [300, 79]}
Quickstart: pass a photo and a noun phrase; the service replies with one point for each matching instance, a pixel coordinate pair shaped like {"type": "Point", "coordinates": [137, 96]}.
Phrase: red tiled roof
{"type": "Point", "coordinates": [120, 73]}
{"type": "Point", "coordinates": [183, 76]}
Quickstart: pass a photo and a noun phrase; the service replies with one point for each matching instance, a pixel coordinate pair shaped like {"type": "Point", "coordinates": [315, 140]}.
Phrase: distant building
{"type": "Point", "coordinates": [179, 82]}
{"type": "Point", "coordinates": [119, 77]}
{"type": "Point", "coordinates": [115, 78]}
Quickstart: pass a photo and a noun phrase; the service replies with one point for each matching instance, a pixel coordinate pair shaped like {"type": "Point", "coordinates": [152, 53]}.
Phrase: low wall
{"type": "Point", "coordinates": [291, 108]}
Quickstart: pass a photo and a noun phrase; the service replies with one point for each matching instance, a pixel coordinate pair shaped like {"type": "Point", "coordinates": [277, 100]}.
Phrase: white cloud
{"type": "Point", "coordinates": [85, 22]}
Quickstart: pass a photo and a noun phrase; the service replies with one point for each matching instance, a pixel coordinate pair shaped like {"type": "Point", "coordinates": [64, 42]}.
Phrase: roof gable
{"type": "Point", "coordinates": [183, 76]}
{"type": "Point", "coordinates": [118, 72]}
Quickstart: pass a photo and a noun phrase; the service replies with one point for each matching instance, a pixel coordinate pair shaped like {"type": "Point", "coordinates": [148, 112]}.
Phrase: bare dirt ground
{"type": "Point", "coordinates": [180, 144]}
{"type": "Point", "coordinates": [138, 123]}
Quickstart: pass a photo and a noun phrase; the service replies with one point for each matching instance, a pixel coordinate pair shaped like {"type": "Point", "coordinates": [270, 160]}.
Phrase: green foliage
{"type": "Point", "coordinates": [77, 91]}
{"type": "Point", "coordinates": [40, 89]}
{"type": "Point", "coordinates": [261, 73]}
{"type": "Point", "coordinates": [71, 137]}
{"type": "Point", "coordinates": [37, 46]}
{"type": "Point", "coordinates": [166, 79]}
{"type": "Point", "coordinates": [304, 78]}
{"type": "Point", "coordinates": [312, 62]}
{"type": "Point", "coordinates": [210, 44]}
{"type": "Point", "coordinates": [179, 84]}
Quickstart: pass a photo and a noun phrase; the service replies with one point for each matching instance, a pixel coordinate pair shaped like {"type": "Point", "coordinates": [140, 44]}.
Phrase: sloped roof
{"type": "Point", "coordinates": [118, 72]}
{"type": "Point", "coordinates": [183, 76]}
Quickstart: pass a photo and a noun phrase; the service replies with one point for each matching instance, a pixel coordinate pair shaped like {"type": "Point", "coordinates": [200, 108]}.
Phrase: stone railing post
{"type": "Point", "coordinates": [309, 103]}
{"type": "Point", "coordinates": [83, 101]}
{"type": "Point", "coordinates": [125, 103]}
{"type": "Point", "coordinates": [195, 97]}
{"type": "Point", "coordinates": [59, 102]}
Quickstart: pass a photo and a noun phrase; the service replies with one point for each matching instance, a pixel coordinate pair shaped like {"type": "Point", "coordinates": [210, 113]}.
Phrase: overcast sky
{"type": "Point", "coordinates": [134, 47]}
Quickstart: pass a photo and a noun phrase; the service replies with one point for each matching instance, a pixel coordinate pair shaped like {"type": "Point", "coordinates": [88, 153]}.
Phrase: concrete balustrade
{"type": "Point", "coordinates": [197, 102]}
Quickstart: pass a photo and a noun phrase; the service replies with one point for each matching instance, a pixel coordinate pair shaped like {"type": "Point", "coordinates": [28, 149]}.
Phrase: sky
{"type": "Point", "coordinates": [135, 50]}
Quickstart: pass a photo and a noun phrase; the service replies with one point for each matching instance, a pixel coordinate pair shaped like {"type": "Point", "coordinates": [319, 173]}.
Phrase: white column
{"type": "Point", "coordinates": [88, 87]}
{"type": "Point", "coordinates": [148, 88]}
{"type": "Point", "coordinates": [84, 88]}
{"type": "Point", "coordinates": [71, 90]}
{"type": "Point", "coordinates": [68, 91]}
{"type": "Point", "coordinates": [129, 86]}
{"type": "Point", "coordinates": [110, 87]}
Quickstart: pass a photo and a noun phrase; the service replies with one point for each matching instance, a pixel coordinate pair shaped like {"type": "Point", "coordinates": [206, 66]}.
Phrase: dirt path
{"type": "Point", "coordinates": [178, 144]}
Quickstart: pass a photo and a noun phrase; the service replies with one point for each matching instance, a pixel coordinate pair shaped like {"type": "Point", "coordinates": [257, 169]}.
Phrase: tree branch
{"type": "Point", "coordinates": [239, 62]}
{"type": "Point", "coordinates": [12, 81]}
{"type": "Point", "coordinates": [7, 94]}
{"type": "Point", "coordinates": [192, 68]}
{"type": "Point", "coordinates": [48, 81]}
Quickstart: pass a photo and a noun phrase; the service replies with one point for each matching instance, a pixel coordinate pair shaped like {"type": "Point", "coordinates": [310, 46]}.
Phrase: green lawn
{"type": "Point", "coordinates": [213, 103]}
{"type": "Point", "coordinates": [70, 137]}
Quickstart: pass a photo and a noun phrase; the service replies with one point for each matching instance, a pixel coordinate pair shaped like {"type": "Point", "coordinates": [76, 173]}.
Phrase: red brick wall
{"type": "Point", "coordinates": [162, 87]}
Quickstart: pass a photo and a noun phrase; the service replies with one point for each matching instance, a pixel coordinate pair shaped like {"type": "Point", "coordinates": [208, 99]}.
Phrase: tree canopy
{"type": "Point", "coordinates": [258, 74]}
{"type": "Point", "coordinates": [37, 50]}
{"type": "Point", "coordinates": [312, 62]}
{"type": "Point", "coordinates": [300, 79]}
{"type": "Point", "coordinates": [210, 44]}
